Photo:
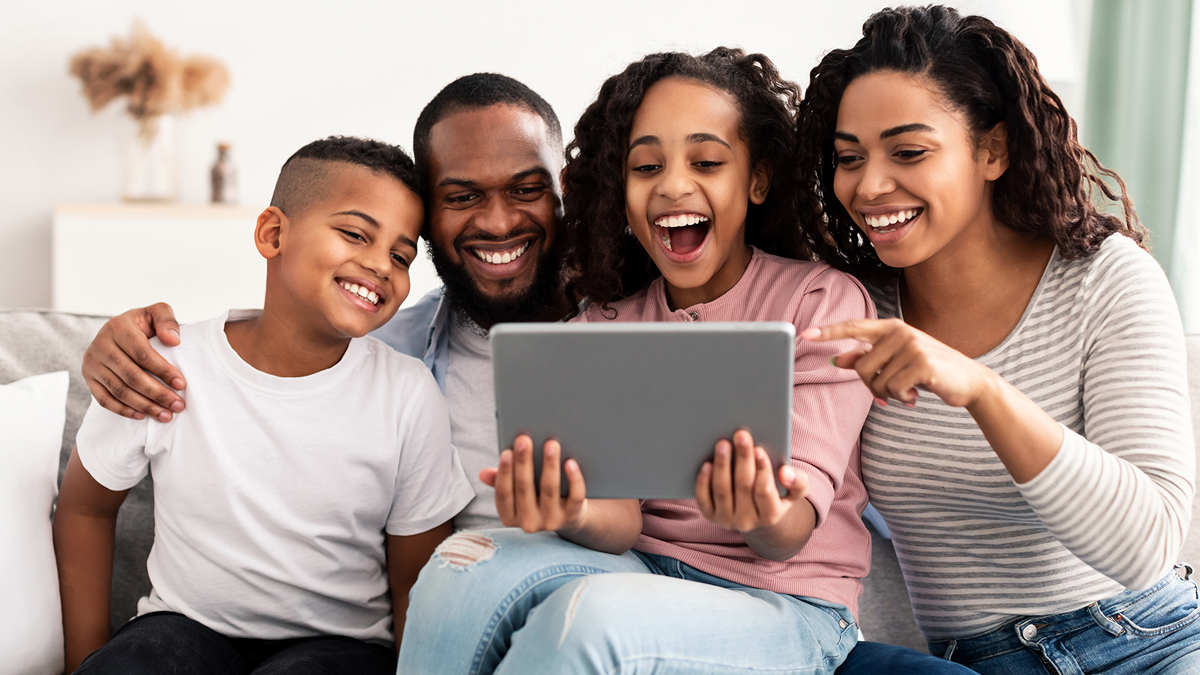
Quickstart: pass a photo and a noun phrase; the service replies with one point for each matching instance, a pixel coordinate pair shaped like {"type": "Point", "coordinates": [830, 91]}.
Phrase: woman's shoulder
{"type": "Point", "coordinates": [1118, 267]}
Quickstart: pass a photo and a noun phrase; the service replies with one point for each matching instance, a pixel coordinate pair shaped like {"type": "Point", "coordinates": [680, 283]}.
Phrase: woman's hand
{"type": "Point", "coordinates": [902, 359]}
{"type": "Point", "coordinates": [737, 490]}
{"type": "Point", "coordinates": [521, 504]}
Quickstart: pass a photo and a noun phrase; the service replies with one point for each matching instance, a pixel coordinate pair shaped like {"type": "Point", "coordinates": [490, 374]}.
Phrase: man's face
{"type": "Point", "coordinates": [494, 207]}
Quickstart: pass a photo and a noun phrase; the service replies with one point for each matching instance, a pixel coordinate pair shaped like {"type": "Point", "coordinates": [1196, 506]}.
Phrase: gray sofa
{"type": "Point", "coordinates": [35, 342]}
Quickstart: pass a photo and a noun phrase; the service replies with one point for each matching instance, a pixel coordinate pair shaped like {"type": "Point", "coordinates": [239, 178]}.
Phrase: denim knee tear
{"type": "Point", "coordinates": [465, 550]}
{"type": "Point", "coordinates": [571, 607]}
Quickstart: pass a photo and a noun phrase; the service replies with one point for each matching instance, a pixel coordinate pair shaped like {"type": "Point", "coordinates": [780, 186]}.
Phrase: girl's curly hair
{"type": "Point", "coordinates": [990, 77]}
{"type": "Point", "coordinates": [605, 263]}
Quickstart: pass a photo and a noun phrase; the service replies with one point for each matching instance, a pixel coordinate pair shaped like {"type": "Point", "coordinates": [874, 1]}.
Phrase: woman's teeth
{"type": "Point", "coordinates": [886, 221]}
{"type": "Point", "coordinates": [498, 257]}
{"type": "Point", "coordinates": [362, 292]}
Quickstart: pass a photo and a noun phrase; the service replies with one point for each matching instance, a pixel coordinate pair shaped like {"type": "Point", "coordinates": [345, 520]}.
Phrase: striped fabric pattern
{"type": "Point", "coordinates": [1100, 348]}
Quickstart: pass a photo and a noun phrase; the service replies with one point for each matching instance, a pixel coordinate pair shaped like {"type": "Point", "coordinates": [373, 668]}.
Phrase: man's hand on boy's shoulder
{"type": "Point", "coordinates": [120, 365]}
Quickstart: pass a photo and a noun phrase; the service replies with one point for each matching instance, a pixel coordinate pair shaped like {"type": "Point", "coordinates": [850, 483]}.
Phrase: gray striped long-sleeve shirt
{"type": "Point", "coordinates": [1100, 348]}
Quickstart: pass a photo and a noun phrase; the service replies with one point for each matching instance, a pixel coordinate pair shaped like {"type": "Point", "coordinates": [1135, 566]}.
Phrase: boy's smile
{"type": "Point", "coordinates": [341, 266]}
{"type": "Point", "coordinates": [688, 185]}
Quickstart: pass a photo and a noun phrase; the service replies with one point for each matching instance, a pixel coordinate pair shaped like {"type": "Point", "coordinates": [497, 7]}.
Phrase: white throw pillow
{"type": "Point", "coordinates": [32, 412]}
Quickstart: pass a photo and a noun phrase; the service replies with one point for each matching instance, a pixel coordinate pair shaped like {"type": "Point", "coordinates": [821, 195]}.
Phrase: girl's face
{"type": "Point", "coordinates": [688, 183]}
{"type": "Point", "coordinates": [909, 172]}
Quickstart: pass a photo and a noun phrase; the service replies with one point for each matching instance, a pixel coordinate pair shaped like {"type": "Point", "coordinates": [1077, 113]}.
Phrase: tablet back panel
{"type": "Point", "coordinates": [641, 405]}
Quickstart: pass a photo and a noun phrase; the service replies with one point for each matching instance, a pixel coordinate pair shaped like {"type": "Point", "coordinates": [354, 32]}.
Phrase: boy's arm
{"type": "Point", "coordinates": [85, 522]}
{"type": "Point", "coordinates": [406, 555]}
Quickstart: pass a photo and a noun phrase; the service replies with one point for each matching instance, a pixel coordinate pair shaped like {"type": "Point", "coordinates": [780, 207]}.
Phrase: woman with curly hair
{"type": "Point", "coordinates": [1037, 476]}
{"type": "Point", "coordinates": [674, 211]}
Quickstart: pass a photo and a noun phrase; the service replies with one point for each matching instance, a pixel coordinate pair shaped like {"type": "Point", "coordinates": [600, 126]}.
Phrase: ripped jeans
{"type": "Point", "coordinates": [504, 601]}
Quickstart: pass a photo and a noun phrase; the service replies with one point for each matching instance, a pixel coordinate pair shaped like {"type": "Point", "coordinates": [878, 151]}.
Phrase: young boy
{"type": "Point", "coordinates": [313, 471]}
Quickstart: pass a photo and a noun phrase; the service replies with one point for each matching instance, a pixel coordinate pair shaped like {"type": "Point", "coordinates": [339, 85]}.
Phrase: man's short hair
{"type": "Point", "coordinates": [306, 176]}
{"type": "Point", "coordinates": [474, 92]}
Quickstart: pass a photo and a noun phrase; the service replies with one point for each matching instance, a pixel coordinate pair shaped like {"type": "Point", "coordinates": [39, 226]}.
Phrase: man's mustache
{"type": "Point", "coordinates": [480, 237]}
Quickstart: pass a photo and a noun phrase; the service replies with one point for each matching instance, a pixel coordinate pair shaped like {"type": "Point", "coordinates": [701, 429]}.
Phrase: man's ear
{"type": "Point", "coordinates": [268, 231]}
{"type": "Point", "coordinates": [760, 183]}
{"type": "Point", "coordinates": [995, 145]}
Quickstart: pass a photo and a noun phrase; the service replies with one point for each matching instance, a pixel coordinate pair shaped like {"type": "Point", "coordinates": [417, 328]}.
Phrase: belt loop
{"type": "Point", "coordinates": [949, 655]}
{"type": "Point", "coordinates": [1184, 571]}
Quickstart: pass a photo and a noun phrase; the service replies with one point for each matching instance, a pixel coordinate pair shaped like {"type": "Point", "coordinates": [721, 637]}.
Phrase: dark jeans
{"type": "Point", "coordinates": [876, 658]}
{"type": "Point", "coordinates": [166, 642]}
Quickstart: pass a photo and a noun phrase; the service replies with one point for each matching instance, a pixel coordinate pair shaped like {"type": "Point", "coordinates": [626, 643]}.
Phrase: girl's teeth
{"type": "Point", "coordinates": [666, 240]}
{"type": "Point", "coordinates": [680, 221]}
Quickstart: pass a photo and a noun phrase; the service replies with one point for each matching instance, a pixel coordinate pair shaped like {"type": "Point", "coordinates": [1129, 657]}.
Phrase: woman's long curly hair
{"type": "Point", "coordinates": [989, 77]}
{"type": "Point", "coordinates": [604, 262]}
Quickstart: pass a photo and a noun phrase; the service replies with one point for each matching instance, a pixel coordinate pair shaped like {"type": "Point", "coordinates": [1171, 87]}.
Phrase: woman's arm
{"type": "Point", "coordinates": [1119, 499]}
{"type": "Point", "coordinates": [609, 525]}
{"type": "Point", "coordinates": [119, 365]}
{"type": "Point", "coordinates": [85, 522]}
{"type": "Point", "coordinates": [406, 555]}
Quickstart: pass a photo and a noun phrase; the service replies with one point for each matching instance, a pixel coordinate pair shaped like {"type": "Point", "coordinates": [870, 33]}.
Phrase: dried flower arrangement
{"type": "Point", "coordinates": [156, 79]}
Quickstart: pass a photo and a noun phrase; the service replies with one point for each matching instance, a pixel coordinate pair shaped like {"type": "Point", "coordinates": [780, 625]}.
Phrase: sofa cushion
{"type": "Point", "coordinates": [31, 423]}
{"type": "Point", "coordinates": [34, 342]}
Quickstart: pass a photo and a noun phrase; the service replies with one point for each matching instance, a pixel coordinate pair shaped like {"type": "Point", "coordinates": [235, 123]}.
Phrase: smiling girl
{"type": "Point", "coordinates": [1038, 476]}
{"type": "Point", "coordinates": [675, 212]}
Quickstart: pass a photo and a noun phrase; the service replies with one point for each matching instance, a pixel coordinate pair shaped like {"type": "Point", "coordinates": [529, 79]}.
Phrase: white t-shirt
{"type": "Point", "coordinates": [272, 495]}
{"type": "Point", "coordinates": [472, 416]}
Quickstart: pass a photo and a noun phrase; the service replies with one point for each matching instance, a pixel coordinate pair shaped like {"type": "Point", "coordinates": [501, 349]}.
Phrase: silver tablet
{"type": "Point", "coordinates": [641, 405]}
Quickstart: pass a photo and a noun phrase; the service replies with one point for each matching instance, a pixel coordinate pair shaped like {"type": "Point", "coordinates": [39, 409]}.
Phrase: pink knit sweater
{"type": "Point", "coordinates": [829, 407]}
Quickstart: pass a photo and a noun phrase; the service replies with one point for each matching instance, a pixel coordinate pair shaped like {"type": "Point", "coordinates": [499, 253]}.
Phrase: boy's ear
{"type": "Point", "coordinates": [268, 232]}
{"type": "Point", "coordinates": [760, 183]}
{"type": "Point", "coordinates": [995, 144]}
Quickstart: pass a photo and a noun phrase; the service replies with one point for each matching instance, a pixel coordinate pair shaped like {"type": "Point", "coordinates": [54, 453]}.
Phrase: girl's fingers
{"type": "Point", "coordinates": [704, 497]}
{"type": "Point", "coordinates": [550, 499]}
{"type": "Point", "coordinates": [722, 480]}
{"type": "Point", "coordinates": [524, 489]}
{"type": "Point", "coordinates": [766, 494]}
{"type": "Point", "coordinates": [576, 487]}
{"type": "Point", "coordinates": [744, 472]}
{"type": "Point", "coordinates": [505, 506]}
{"type": "Point", "coordinates": [487, 476]}
{"type": "Point", "coordinates": [795, 481]}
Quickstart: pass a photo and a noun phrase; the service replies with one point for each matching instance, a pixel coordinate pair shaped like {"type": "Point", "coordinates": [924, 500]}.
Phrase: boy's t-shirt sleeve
{"type": "Point", "coordinates": [431, 486]}
{"type": "Point", "coordinates": [113, 448]}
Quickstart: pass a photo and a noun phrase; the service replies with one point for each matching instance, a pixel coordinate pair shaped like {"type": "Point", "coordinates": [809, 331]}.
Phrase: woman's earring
{"type": "Point", "coordinates": [628, 231]}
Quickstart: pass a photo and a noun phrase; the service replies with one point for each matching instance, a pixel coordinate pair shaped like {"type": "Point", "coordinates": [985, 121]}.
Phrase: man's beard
{"type": "Point", "coordinates": [465, 296]}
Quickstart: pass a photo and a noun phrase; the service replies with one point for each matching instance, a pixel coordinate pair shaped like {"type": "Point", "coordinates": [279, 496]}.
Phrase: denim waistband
{"type": "Point", "coordinates": [1024, 632]}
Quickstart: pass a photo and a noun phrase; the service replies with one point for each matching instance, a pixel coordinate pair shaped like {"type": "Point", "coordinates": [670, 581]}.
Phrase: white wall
{"type": "Point", "coordinates": [304, 70]}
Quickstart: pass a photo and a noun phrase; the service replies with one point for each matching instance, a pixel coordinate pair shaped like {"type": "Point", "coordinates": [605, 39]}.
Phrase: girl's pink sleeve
{"type": "Point", "coordinates": [829, 404]}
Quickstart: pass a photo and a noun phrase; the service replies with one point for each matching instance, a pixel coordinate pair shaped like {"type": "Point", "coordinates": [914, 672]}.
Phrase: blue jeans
{"type": "Point", "coordinates": [508, 602]}
{"type": "Point", "coordinates": [1151, 632]}
{"type": "Point", "coordinates": [167, 642]}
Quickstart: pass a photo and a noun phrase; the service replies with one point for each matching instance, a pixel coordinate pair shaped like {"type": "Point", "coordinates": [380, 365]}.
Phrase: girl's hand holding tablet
{"type": "Point", "coordinates": [737, 490]}
{"type": "Point", "coordinates": [610, 525]}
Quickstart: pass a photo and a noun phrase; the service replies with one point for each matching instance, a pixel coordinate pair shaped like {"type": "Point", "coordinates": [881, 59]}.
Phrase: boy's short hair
{"type": "Point", "coordinates": [474, 92]}
{"type": "Point", "coordinates": [304, 178]}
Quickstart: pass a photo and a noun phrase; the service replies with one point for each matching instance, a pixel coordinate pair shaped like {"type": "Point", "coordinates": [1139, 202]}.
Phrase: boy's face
{"type": "Point", "coordinates": [342, 263]}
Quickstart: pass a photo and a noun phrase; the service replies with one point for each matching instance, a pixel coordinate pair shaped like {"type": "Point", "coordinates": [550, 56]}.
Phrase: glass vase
{"type": "Point", "coordinates": [152, 162]}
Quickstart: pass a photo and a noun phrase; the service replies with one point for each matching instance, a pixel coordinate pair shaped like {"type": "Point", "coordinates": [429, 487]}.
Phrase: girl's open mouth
{"type": "Point", "coordinates": [682, 235]}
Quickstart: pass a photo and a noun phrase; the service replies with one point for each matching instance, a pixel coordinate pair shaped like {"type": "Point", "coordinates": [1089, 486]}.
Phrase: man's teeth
{"type": "Point", "coordinates": [362, 292]}
{"type": "Point", "coordinates": [680, 221]}
{"type": "Point", "coordinates": [498, 258]}
{"type": "Point", "coordinates": [887, 220]}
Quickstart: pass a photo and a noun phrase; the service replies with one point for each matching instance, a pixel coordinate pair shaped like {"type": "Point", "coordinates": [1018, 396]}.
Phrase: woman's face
{"type": "Point", "coordinates": [909, 172]}
{"type": "Point", "coordinates": [688, 183]}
